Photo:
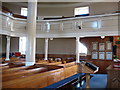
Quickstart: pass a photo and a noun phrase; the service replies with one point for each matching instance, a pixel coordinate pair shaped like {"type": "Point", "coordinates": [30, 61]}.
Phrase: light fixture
{"type": "Point", "coordinates": [51, 38]}
{"type": "Point", "coordinates": [102, 37]}
{"type": "Point", "coordinates": [78, 25]}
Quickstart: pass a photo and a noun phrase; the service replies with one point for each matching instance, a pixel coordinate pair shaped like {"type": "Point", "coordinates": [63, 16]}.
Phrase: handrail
{"type": "Point", "coordinates": [66, 27]}
{"type": "Point", "coordinates": [64, 19]}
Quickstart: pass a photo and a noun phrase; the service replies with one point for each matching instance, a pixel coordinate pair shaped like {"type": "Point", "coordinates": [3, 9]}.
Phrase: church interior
{"type": "Point", "coordinates": [58, 45]}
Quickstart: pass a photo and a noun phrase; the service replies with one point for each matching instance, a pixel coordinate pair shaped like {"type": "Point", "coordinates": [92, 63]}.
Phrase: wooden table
{"type": "Point", "coordinates": [113, 77]}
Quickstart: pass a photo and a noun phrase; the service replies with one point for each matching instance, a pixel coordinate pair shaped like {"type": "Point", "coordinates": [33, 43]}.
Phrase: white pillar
{"type": "Point", "coordinates": [46, 49]}
{"type": "Point", "coordinates": [8, 48]}
{"type": "Point", "coordinates": [31, 32]}
{"type": "Point", "coordinates": [77, 50]}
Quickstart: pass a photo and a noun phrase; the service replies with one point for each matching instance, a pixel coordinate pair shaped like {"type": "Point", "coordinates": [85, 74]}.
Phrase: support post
{"type": "Point", "coordinates": [46, 49]}
{"type": "Point", "coordinates": [77, 49]}
{"type": "Point", "coordinates": [31, 32]}
{"type": "Point", "coordinates": [8, 48]}
{"type": "Point", "coordinates": [87, 80]}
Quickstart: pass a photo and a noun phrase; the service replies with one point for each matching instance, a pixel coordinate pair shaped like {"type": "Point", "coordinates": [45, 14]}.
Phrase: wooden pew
{"type": "Point", "coordinates": [40, 80]}
{"type": "Point", "coordinates": [12, 65]}
{"type": "Point", "coordinates": [23, 73]}
{"type": "Point", "coordinates": [16, 69]}
{"type": "Point", "coordinates": [67, 64]}
{"type": "Point", "coordinates": [42, 62]}
{"type": "Point", "coordinates": [4, 64]}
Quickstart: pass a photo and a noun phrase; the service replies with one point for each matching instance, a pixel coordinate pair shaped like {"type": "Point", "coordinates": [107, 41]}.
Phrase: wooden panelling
{"type": "Point", "coordinates": [113, 77]}
{"type": "Point", "coordinates": [56, 56]}
{"type": "Point", "coordinates": [88, 43]}
{"type": "Point", "coordinates": [69, 71]}
{"type": "Point", "coordinates": [102, 64]}
{"type": "Point", "coordinates": [55, 76]}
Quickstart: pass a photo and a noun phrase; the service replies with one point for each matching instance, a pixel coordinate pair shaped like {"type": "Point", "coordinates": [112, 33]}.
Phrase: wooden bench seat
{"type": "Point", "coordinates": [23, 73]}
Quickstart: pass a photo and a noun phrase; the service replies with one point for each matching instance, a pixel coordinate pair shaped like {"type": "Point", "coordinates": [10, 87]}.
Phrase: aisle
{"type": "Point", "coordinates": [97, 81]}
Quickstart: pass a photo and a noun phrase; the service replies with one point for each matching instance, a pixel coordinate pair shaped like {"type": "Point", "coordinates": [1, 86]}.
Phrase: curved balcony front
{"type": "Point", "coordinates": [105, 25]}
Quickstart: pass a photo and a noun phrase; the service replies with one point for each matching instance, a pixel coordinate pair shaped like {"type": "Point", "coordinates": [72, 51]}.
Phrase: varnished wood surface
{"type": "Point", "coordinates": [40, 79]}
{"type": "Point", "coordinates": [113, 77]}
{"type": "Point", "coordinates": [102, 64]}
{"type": "Point", "coordinates": [111, 68]}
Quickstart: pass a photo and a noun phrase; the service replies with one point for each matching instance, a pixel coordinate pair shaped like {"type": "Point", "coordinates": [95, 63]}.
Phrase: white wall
{"type": "Point", "coordinates": [14, 44]}
{"type": "Point", "coordinates": [14, 8]}
{"type": "Point", "coordinates": [95, 8]}
{"type": "Point", "coordinates": [39, 46]}
{"type": "Point", "coordinates": [4, 40]}
{"type": "Point", "coordinates": [57, 46]}
{"type": "Point", "coordinates": [56, 11]}
{"type": "Point", "coordinates": [62, 46]}
{"type": "Point", "coordinates": [103, 7]}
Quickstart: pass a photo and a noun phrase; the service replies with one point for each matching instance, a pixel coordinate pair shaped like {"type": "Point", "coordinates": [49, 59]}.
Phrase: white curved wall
{"type": "Point", "coordinates": [95, 8]}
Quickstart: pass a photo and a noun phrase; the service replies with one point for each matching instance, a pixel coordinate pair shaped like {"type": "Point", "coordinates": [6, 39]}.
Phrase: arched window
{"type": "Point", "coordinates": [82, 49]}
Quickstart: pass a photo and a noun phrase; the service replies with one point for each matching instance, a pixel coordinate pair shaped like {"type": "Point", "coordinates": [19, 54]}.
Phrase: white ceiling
{"type": "Point", "coordinates": [53, 4]}
{"type": "Point", "coordinates": [57, 3]}
{"type": "Point", "coordinates": [61, 0]}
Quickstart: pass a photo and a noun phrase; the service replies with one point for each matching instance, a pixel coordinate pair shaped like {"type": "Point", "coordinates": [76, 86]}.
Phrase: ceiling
{"type": "Point", "coordinates": [60, 0]}
{"type": "Point", "coordinates": [52, 4]}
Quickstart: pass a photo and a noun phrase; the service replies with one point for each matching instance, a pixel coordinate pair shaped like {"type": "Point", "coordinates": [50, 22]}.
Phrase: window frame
{"type": "Point", "coordinates": [81, 14]}
{"type": "Point", "coordinates": [23, 10]}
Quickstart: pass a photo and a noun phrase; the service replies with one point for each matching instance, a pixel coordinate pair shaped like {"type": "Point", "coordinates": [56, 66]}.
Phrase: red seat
{"type": "Point", "coordinates": [17, 54]}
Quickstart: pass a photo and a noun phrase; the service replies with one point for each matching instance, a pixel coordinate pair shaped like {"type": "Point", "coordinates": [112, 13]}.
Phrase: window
{"type": "Point", "coordinates": [81, 11]}
{"type": "Point", "coordinates": [22, 45]}
{"type": "Point", "coordinates": [83, 50]}
{"type": "Point", "coordinates": [24, 11]}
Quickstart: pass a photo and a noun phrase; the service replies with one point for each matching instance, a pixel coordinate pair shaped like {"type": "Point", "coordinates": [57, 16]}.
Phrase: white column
{"type": "Point", "coordinates": [46, 49]}
{"type": "Point", "coordinates": [8, 48]}
{"type": "Point", "coordinates": [31, 32]}
{"type": "Point", "coordinates": [77, 49]}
